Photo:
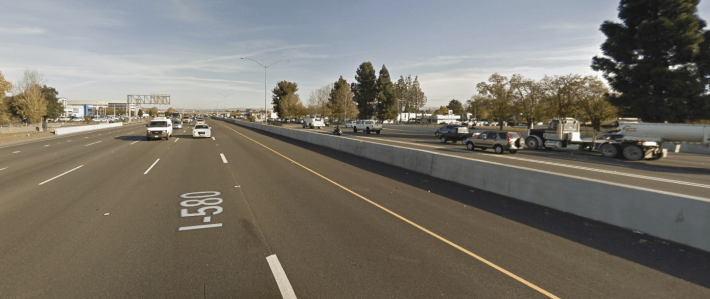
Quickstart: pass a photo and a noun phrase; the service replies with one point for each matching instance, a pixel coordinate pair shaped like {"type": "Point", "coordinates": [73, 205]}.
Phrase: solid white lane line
{"type": "Point", "coordinates": [280, 276]}
{"type": "Point", "coordinates": [134, 142]}
{"type": "Point", "coordinates": [151, 167]}
{"type": "Point", "coordinates": [15, 152]}
{"type": "Point", "coordinates": [42, 183]}
{"type": "Point", "coordinates": [92, 143]}
{"type": "Point", "coordinates": [223, 158]}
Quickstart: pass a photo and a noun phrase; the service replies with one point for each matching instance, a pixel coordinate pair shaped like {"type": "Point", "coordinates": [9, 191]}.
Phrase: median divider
{"type": "Point", "coordinates": [676, 217]}
{"type": "Point", "coordinates": [68, 130]}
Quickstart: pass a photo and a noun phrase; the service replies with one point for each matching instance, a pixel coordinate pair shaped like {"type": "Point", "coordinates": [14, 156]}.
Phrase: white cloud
{"type": "Point", "coordinates": [22, 30]}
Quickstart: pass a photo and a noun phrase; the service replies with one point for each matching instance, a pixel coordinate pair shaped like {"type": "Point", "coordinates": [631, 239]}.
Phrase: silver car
{"type": "Point", "coordinates": [499, 141]}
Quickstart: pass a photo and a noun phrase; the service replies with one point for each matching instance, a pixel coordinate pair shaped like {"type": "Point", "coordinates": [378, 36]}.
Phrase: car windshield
{"type": "Point", "coordinates": [156, 124]}
{"type": "Point", "coordinates": [200, 127]}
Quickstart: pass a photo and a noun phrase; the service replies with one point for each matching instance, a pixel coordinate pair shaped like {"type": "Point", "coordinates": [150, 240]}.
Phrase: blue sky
{"type": "Point", "coordinates": [105, 50]}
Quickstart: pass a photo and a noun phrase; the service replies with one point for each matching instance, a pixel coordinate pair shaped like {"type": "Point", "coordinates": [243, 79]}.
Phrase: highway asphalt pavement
{"type": "Point", "coordinates": [107, 214]}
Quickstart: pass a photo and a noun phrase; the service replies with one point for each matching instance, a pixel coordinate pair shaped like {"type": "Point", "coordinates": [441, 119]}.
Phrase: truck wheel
{"type": "Point", "coordinates": [436, 134]}
{"type": "Point", "coordinates": [304, 126]}
{"type": "Point", "coordinates": [355, 129]}
{"type": "Point", "coordinates": [470, 146]}
{"type": "Point", "coordinates": [531, 143]}
{"type": "Point", "coordinates": [378, 132]}
{"type": "Point", "coordinates": [633, 153]}
{"type": "Point", "coordinates": [443, 139]}
{"type": "Point", "coordinates": [367, 130]}
{"type": "Point", "coordinates": [609, 150]}
{"type": "Point", "coordinates": [498, 149]}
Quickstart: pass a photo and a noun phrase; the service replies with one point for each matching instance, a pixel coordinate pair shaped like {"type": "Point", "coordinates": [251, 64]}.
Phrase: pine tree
{"type": "Point", "coordinates": [282, 89]}
{"type": "Point", "coordinates": [365, 90]}
{"type": "Point", "coordinates": [386, 96]}
{"type": "Point", "coordinates": [651, 60]}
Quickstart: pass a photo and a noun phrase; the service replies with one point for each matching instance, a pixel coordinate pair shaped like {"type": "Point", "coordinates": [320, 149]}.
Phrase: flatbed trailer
{"type": "Point", "coordinates": [633, 139]}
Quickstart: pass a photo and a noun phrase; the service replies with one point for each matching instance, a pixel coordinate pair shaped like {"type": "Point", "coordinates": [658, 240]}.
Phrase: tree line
{"type": "Point", "coordinates": [370, 96]}
{"type": "Point", "coordinates": [529, 101]}
{"type": "Point", "coordinates": [31, 99]}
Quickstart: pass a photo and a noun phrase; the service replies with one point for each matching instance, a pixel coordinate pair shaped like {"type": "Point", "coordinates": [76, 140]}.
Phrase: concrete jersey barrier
{"type": "Point", "coordinates": [676, 217]}
{"type": "Point", "coordinates": [68, 130]}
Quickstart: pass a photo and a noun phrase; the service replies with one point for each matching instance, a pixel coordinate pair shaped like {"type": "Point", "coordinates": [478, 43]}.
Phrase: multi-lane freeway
{"type": "Point", "coordinates": [107, 214]}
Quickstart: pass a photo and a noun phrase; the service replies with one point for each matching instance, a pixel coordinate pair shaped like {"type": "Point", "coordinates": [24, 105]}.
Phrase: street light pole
{"type": "Point", "coordinates": [225, 100]}
{"type": "Point", "coordinates": [266, 67]}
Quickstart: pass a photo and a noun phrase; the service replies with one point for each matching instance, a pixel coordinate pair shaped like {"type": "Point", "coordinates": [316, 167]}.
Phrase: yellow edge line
{"type": "Point", "coordinates": [492, 265]}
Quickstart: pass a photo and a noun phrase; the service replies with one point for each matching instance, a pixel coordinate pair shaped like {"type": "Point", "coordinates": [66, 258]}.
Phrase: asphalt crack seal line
{"type": "Point", "coordinates": [452, 244]}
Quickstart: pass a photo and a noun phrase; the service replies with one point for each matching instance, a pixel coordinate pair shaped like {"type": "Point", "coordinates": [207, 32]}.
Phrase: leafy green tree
{"type": "Point", "coordinates": [140, 112]}
{"type": "Point", "coordinates": [282, 89]}
{"type": "Point", "coordinates": [593, 104]}
{"type": "Point", "coordinates": [499, 94]}
{"type": "Point", "coordinates": [529, 100]}
{"type": "Point", "coordinates": [169, 112]}
{"type": "Point", "coordinates": [443, 110]}
{"type": "Point", "coordinates": [655, 60]}
{"type": "Point", "coordinates": [153, 112]}
{"type": "Point", "coordinates": [386, 96]}
{"type": "Point", "coordinates": [456, 106]}
{"type": "Point", "coordinates": [54, 108]}
{"type": "Point", "coordinates": [365, 90]}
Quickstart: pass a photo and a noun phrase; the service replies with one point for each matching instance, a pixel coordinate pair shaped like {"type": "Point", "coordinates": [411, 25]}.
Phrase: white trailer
{"type": "Point", "coordinates": [634, 140]}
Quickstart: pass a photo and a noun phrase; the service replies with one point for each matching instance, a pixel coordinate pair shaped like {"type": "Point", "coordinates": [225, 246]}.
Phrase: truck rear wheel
{"type": "Point", "coordinates": [367, 130]}
{"type": "Point", "coordinates": [443, 139]}
{"type": "Point", "coordinates": [531, 143]}
{"type": "Point", "coordinates": [633, 153]}
{"type": "Point", "coordinates": [609, 150]}
{"type": "Point", "coordinates": [378, 132]}
{"type": "Point", "coordinates": [355, 129]}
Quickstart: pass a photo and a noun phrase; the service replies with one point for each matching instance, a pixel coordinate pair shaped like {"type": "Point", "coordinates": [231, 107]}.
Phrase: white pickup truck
{"type": "Point", "coordinates": [313, 122]}
{"type": "Point", "coordinates": [367, 126]}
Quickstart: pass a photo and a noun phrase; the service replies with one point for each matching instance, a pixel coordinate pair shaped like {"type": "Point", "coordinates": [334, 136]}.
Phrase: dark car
{"type": "Point", "coordinates": [446, 128]}
{"type": "Point", "coordinates": [500, 141]}
{"type": "Point", "coordinates": [456, 133]}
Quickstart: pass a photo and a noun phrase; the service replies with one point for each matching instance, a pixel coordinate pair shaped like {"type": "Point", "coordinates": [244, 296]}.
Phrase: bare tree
{"type": "Point", "coordinates": [291, 105]}
{"type": "Point", "coordinates": [30, 102]}
{"type": "Point", "coordinates": [318, 100]}
{"type": "Point", "coordinates": [5, 86]}
{"type": "Point", "coordinates": [343, 105]}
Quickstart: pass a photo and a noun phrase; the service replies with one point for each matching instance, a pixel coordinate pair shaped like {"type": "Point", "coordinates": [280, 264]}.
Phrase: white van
{"type": "Point", "coordinates": [159, 128]}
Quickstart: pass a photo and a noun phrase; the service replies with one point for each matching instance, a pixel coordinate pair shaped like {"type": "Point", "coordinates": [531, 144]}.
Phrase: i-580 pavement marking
{"type": "Point", "coordinates": [452, 244]}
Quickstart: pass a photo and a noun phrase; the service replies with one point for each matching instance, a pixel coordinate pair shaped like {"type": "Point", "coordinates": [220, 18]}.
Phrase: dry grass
{"type": "Point", "coordinates": [7, 138]}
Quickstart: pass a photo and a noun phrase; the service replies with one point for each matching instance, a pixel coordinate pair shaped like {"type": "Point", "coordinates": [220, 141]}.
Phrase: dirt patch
{"type": "Point", "coordinates": [8, 138]}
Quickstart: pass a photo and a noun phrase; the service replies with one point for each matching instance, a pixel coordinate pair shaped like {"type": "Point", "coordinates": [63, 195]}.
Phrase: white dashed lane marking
{"type": "Point", "coordinates": [42, 183]}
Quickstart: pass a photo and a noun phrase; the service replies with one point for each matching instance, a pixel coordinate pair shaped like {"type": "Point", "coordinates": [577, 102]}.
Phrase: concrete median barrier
{"type": "Point", "coordinates": [676, 217]}
{"type": "Point", "coordinates": [68, 130]}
